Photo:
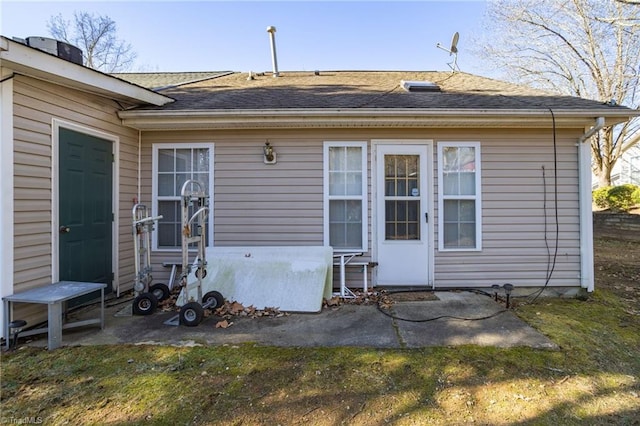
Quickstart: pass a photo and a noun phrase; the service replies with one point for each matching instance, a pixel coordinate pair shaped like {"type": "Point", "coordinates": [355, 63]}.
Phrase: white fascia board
{"type": "Point", "coordinates": [373, 117]}
{"type": "Point", "coordinates": [37, 64]}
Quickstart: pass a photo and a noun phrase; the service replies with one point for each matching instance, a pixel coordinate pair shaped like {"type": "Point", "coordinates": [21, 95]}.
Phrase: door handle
{"type": "Point", "coordinates": [65, 229]}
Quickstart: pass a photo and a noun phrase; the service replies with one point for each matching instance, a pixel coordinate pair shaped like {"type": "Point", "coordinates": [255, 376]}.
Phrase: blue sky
{"type": "Point", "coordinates": [231, 35]}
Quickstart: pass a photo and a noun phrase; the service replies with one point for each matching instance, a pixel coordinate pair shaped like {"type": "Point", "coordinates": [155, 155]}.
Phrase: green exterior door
{"type": "Point", "coordinates": [85, 209]}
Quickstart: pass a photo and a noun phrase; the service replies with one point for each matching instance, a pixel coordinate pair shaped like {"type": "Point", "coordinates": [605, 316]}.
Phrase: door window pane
{"type": "Point", "coordinates": [402, 175]}
{"type": "Point", "coordinates": [402, 219]}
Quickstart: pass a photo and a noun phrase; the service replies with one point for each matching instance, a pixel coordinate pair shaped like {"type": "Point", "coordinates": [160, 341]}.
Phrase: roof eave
{"type": "Point", "coordinates": [25, 60]}
{"type": "Point", "coordinates": [371, 117]}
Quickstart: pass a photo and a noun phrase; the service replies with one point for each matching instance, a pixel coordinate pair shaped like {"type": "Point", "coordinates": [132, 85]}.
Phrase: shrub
{"type": "Point", "coordinates": [619, 198]}
{"type": "Point", "coordinates": [600, 196]}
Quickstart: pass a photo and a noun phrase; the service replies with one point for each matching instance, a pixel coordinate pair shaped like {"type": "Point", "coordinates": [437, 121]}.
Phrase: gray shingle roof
{"type": "Point", "coordinates": [362, 89]}
{"type": "Point", "coordinates": [163, 80]}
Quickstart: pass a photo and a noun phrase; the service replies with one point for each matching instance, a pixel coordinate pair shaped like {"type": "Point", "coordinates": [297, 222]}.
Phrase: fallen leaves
{"type": "Point", "coordinates": [382, 298]}
{"type": "Point", "coordinates": [230, 309]}
{"type": "Point", "coordinates": [236, 309]}
{"type": "Point", "coordinates": [223, 324]}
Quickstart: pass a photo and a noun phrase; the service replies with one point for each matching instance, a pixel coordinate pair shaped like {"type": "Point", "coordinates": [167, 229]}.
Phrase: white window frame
{"type": "Point", "coordinates": [154, 188]}
{"type": "Point", "coordinates": [477, 197]}
{"type": "Point", "coordinates": [363, 197]}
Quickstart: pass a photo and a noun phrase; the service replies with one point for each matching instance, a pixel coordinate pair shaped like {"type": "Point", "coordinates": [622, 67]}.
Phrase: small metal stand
{"type": "Point", "coordinates": [344, 260]}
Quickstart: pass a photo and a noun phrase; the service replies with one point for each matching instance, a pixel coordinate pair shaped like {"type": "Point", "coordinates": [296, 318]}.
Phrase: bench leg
{"type": "Point", "coordinates": [55, 325]}
{"type": "Point", "coordinates": [7, 320]}
{"type": "Point", "coordinates": [102, 309]}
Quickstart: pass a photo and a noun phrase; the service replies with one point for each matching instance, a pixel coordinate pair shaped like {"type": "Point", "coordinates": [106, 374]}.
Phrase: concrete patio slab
{"type": "Point", "coordinates": [405, 325]}
{"type": "Point", "coordinates": [463, 319]}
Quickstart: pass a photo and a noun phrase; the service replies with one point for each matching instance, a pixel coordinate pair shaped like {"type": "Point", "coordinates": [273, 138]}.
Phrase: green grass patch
{"type": "Point", "coordinates": [592, 379]}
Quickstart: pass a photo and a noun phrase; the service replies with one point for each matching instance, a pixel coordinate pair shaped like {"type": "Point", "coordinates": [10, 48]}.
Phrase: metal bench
{"type": "Point", "coordinates": [54, 295]}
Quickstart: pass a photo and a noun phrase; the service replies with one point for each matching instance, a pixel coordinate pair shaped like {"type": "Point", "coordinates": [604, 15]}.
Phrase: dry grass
{"type": "Point", "coordinates": [593, 379]}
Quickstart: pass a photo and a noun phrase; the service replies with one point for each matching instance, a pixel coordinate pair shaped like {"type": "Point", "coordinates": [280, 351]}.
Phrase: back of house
{"type": "Point", "coordinates": [430, 179]}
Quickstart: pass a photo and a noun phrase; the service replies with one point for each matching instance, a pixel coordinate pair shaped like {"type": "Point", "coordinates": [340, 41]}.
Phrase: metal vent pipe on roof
{"type": "Point", "coordinates": [274, 58]}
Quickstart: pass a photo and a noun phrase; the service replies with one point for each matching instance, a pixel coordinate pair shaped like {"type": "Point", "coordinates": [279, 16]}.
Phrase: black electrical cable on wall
{"type": "Point", "coordinates": [551, 261]}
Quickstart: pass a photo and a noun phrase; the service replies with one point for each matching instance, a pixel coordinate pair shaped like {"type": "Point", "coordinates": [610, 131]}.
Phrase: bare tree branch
{"type": "Point", "coordinates": [96, 37]}
{"type": "Point", "coordinates": [585, 48]}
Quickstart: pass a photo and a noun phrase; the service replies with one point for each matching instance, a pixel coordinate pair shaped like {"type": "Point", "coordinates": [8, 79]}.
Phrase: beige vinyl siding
{"type": "Point", "coordinates": [258, 204]}
{"type": "Point", "coordinates": [36, 104]}
{"type": "Point", "coordinates": [513, 215]}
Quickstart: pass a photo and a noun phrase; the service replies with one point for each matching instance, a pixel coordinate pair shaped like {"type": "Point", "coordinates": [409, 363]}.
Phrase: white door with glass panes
{"type": "Point", "coordinates": [401, 210]}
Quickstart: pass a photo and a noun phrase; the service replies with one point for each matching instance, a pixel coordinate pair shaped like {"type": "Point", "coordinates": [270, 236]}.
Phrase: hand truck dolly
{"type": "Point", "coordinates": [147, 295]}
{"type": "Point", "coordinates": [194, 199]}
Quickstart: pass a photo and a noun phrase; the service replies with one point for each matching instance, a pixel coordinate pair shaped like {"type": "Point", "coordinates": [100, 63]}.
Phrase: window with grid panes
{"type": "Point", "coordinates": [345, 195]}
{"type": "Point", "coordinates": [173, 165]}
{"type": "Point", "coordinates": [459, 196]}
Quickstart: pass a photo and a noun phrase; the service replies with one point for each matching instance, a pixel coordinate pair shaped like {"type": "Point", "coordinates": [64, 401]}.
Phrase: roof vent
{"type": "Point", "coordinates": [60, 49]}
{"type": "Point", "coordinates": [274, 57]}
{"type": "Point", "coordinates": [419, 86]}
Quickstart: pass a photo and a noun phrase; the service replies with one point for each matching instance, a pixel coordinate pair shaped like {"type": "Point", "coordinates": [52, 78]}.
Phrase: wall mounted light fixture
{"type": "Point", "coordinates": [269, 154]}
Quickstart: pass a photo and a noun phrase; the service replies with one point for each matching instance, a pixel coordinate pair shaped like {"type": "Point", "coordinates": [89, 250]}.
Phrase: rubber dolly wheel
{"type": "Point", "coordinates": [213, 300]}
{"type": "Point", "coordinates": [145, 304]}
{"type": "Point", "coordinates": [160, 291]}
{"type": "Point", "coordinates": [191, 314]}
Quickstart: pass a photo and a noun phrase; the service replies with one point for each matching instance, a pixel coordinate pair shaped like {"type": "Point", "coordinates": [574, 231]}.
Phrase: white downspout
{"type": "Point", "coordinates": [586, 213]}
{"type": "Point", "coordinates": [139, 164]}
{"type": "Point", "coordinates": [592, 131]}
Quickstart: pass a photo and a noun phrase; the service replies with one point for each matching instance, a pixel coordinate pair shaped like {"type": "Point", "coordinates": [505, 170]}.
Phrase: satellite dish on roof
{"type": "Point", "coordinates": [454, 44]}
{"type": "Point", "coordinates": [453, 51]}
